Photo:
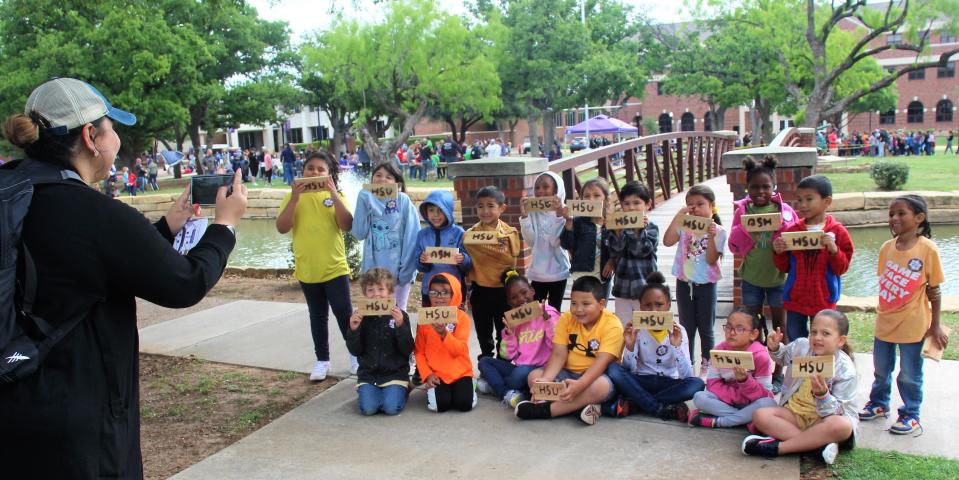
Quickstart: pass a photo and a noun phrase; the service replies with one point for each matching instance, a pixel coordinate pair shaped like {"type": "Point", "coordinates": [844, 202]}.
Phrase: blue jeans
{"type": "Point", "coordinates": [797, 325]}
{"type": "Point", "coordinates": [650, 392]}
{"type": "Point", "coordinates": [288, 173]}
{"type": "Point", "coordinates": [909, 379]}
{"type": "Point", "coordinates": [389, 399]}
{"type": "Point", "coordinates": [755, 295]}
{"type": "Point", "coordinates": [697, 311]}
{"type": "Point", "coordinates": [502, 375]}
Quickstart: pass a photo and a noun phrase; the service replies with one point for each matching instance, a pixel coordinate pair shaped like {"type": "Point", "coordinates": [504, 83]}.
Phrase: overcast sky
{"type": "Point", "coordinates": [305, 16]}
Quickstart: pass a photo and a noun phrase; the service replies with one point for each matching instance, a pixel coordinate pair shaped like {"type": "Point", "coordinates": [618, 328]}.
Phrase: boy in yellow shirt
{"type": "Point", "coordinates": [587, 339]}
{"type": "Point", "coordinates": [487, 296]}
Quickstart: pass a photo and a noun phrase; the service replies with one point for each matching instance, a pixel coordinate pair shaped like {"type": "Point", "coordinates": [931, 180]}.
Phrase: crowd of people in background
{"type": "Point", "coordinates": [881, 143]}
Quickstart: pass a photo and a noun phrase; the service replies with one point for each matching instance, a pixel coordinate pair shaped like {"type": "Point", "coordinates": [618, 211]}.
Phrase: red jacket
{"type": "Point", "coordinates": [813, 282]}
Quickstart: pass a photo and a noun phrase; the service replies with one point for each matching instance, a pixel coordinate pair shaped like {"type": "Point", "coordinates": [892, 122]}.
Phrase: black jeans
{"type": "Point", "coordinates": [552, 292]}
{"type": "Point", "coordinates": [319, 298]}
{"type": "Point", "coordinates": [697, 310]}
{"type": "Point", "coordinates": [489, 305]}
{"type": "Point", "coordinates": [458, 395]}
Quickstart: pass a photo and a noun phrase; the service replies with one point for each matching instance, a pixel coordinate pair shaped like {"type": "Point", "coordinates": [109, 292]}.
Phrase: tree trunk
{"type": "Point", "coordinates": [340, 128]}
{"type": "Point", "coordinates": [764, 112]}
{"type": "Point", "coordinates": [512, 132]}
{"type": "Point", "coordinates": [194, 129]}
{"type": "Point", "coordinates": [719, 119]}
{"type": "Point", "coordinates": [549, 130]}
{"type": "Point", "coordinates": [531, 121]}
{"type": "Point", "coordinates": [383, 152]}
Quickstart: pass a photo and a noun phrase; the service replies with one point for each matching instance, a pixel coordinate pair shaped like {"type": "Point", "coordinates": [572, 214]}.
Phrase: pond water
{"type": "Point", "coordinates": [861, 279]}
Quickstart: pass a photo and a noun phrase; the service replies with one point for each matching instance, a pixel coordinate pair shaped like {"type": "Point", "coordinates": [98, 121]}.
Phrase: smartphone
{"type": "Point", "coordinates": [203, 188]}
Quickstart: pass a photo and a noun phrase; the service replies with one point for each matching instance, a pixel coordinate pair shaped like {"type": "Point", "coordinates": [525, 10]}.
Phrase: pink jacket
{"type": "Point", "coordinates": [532, 342]}
{"type": "Point", "coordinates": [740, 241]}
{"type": "Point", "coordinates": [723, 384]}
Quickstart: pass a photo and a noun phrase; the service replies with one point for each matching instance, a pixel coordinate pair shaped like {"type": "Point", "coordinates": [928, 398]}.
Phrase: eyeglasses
{"type": "Point", "coordinates": [739, 329]}
{"type": "Point", "coordinates": [438, 294]}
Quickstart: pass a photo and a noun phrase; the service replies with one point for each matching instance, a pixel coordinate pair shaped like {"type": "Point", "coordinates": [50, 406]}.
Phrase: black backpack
{"type": "Point", "coordinates": [25, 339]}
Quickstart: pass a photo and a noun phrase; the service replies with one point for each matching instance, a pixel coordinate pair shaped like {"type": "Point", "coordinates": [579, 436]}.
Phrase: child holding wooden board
{"type": "Point", "coordinates": [813, 276]}
{"type": "Point", "coordinates": [733, 394]}
{"type": "Point", "coordinates": [442, 351]}
{"type": "Point", "coordinates": [487, 297]}
{"type": "Point", "coordinates": [382, 342]}
{"type": "Point", "coordinates": [697, 267]}
{"type": "Point", "coordinates": [584, 235]}
{"type": "Point", "coordinates": [440, 231]}
{"type": "Point", "coordinates": [818, 411]}
{"type": "Point", "coordinates": [632, 251]}
{"type": "Point", "coordinates": [527, 338]}
{"type": "Point", "coordinates": [758, 220]}
{"type": "Point", "coordinates": [549, 268]}
{"type": "Point", "coordinates": [656, 376]}
{"type": "Point", "coordinates": [588, 338]}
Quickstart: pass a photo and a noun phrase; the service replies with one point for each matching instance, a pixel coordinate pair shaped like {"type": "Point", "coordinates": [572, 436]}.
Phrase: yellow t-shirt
{"type": "Point", "coordinates": [318, 248]}
{"type": "Point", "coordinates": [583, 345]}
{"type": "Point", "coordinates": [904, 313]}
{"type": "Point", "coordinates": [803, 405]}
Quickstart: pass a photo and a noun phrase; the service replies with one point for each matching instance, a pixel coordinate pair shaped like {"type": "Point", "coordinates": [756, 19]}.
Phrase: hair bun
{"type": "Point", "coordinates": [749, 163]}
{"type": "Point", "coordinates": [769, 161]}
{"type": "Point", "coordinates": [21, 130]}
{"type": "Point", "coordinates": [656, 278]}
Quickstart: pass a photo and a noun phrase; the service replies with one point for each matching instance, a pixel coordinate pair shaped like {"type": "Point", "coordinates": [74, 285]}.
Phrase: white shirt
{"type": "Point", "coordinates": [494, 150]}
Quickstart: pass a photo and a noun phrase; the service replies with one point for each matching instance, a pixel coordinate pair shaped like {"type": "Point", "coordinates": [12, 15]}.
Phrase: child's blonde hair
{"type": "Point", "coordinates": [377, 276]}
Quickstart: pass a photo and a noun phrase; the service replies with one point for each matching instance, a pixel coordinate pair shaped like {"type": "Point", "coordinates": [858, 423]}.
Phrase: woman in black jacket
{"type": "Point", "coordinates": [78, 415]}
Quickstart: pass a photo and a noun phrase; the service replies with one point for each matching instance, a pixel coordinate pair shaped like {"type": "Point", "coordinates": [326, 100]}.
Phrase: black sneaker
{"type": "Point", "coordinates": [416, 380]}
{"type": "Point", "coordinates": [760, 446]}
{"type": "Point", "coordinates": [527, 410]}
{"type": "Point", "coordinates": [674, 411]}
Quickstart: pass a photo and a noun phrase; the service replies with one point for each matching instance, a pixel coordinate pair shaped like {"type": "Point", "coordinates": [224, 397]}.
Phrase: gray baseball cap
{"type": "Point", "coordinates": [68, 103]}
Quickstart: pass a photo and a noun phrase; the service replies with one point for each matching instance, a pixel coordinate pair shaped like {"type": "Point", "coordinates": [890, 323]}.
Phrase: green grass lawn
{"type": "Point", "coordinates": [938, 172]}
{"type": "Point", "coordinates": [867, 464]}
{"type": "Point", "coordinates": [862, 327]}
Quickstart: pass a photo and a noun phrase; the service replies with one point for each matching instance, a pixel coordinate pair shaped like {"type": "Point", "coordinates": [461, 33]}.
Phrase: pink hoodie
{"type": "Point", "coordinates": [723, 384]}
{"type": "Point", "coordinates": [740, 241]}
{"type": "Point", "coordinates": [532, 342]}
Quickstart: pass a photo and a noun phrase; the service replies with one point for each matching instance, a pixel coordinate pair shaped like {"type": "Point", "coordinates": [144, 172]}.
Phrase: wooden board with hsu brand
{"type": "Point", "coordinates": [548, 391]}
{"type": "Point", "coordinates": [625, 220]}
{"type": "Point", "coordinates": [652, 320]}
{"type": "Point", "coordinates": [375, 306]}
{"type": "Point", "coordinates": [732, 359]}
{"type": "Point", "coordinates": [523, 314]}
{"type": "Point", "coordinates": [480, 237]}
{"type": "Point", "coordinates": [803, 240]}
{"type": "Point", "coordinates": [541, 204]}
{"type": "Point", "coordinates": [313, 184]}
{"type": "Point", "coordinates": [445, 255]}
{"type": "Point", "coordinates": [761, 222]}
{"type": "Point", "coordinates": [585, 208]}
{"type": "Point", "coordinates": [807, 366]}
{"type": "Point", "coordinates": [434, 315]}
{"type": "Point", "coordinates": [383, 191]}
{"type": "Point", "coordinates": [695, 225]}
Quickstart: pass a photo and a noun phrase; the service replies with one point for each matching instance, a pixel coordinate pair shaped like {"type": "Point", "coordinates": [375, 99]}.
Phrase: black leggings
{"type": "Point", "coordinates": [489, 306]}
{"type": "Point", "coordinates": [457, 395]}
{"type": "Point", "coordinates": [319, 298]}
{"type": "Point", "coordinates": [552, 292]}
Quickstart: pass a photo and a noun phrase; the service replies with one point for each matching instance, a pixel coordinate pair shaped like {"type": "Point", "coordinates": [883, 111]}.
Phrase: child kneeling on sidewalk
{"type": "Point", "coordinates": [588, 339]}
{"type": "Point", "coordinates": [382, 344]}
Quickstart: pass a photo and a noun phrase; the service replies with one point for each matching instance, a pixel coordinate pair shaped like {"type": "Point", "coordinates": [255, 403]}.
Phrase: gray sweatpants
{"type": "Point", "coordinates": [726, 414]}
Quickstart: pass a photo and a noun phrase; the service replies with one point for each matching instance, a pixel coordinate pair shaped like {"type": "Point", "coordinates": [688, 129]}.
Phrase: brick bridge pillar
{"type": "Point", "coordinates": [513, 175]}
{"type": "Point", "coordinates": [794, 163]}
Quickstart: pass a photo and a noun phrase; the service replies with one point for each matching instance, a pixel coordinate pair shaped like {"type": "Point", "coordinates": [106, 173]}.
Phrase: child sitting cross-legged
{"type": "Point", "coordinates": [732, 395]}
{"type": "Point", "coordinates": [382, 344]}
{"type": "Point", "coordinates": [588, 339]}
{"type": "Point", "coordinates": [528, 346]}
{"type": "Point", "coordinates": [656, 376]}
{"type": "Point", "coordinates": [816, 412]}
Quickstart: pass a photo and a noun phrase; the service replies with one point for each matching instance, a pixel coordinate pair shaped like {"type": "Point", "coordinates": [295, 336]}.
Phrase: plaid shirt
{"type": "Point", "coordinates": [634, 255]}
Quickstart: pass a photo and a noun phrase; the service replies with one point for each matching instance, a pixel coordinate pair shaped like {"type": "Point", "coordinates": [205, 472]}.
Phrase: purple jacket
{"type": "Point", "coordinates": [740, 241]}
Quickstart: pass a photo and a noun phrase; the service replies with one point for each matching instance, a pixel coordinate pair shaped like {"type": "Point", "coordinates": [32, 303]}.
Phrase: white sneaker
{"type": "Point", "coordinates": [590, 414]}
{"type": "Point", "coordinates": [703, 369]}
{"type": "Point", "coordinates": [319, 371]}
{"type": "Point", "coordinates": [354, 365]}
{"type": "Point", "coordinates": [829, 453]}
{"type": "Point", "coordinates": [431, 399]}
{"type": "Point", "coordinates": [512, 398]}
{"type": "Point", "coordinates": [482, 386]}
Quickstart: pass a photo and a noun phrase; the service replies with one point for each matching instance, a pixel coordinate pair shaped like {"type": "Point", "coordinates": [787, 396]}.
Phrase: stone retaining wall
{"type": "Point", "coordinates": [861, 209]}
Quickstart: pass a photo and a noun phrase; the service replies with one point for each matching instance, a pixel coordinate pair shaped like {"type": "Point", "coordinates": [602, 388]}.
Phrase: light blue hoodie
{"type": "Point", "coordinates": [449, 235]}
{"type": "Point", "coordinates": [388, 229]}
{"type": "Point", "coordinates": [542, 231]}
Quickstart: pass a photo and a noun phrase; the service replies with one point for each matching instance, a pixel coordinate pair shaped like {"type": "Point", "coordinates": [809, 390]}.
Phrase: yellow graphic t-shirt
{"type": "Point", "coordinates": [318, 248]}
{"type": "Point", "coordinates": [904, 313]}
{"type": "Point", "coordinates": [803, 405]}
{"type": "Point", "coordinates": [584, 344]}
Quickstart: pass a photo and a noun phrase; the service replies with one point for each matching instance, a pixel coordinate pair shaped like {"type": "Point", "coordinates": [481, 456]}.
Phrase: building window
{"type": "Point", "coordinates": [917, 74]}
{"type": "Point", "coordinates": [947, 38]}
{"type": "Point", "coordinates": [659, 88]}
{"type": "Point", "coordinates": [319, 133]}
{"type": "Point", "coordinates": [944, 111]}
{"type": "Point", "coordinates": [571, 117]}
{"type": "Point", "coordinates": [558, 120]}
{"type": "Point", "coordinates": [894, 39]}
{"type": "Point", "coordinates": [888, 117]}
{"type": "Point", "coordinates": [665, 123]}
{"type": "Point", "coordinates": [708, 122]}
{"type": "Point", "coordinates": [295, 135]}
{"type": "Point", "coordinates": [687, 122]}
{"type": "Point", "coordinates": [582, 116]}
{"type": "Point", "coordinates": [914, 113]}
{"type": "Point", "coordinates": [948, 71]}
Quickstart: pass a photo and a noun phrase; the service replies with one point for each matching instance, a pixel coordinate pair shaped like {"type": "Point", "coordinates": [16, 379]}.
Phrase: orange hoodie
{"type": "Point", "coordinates": [448, 357]}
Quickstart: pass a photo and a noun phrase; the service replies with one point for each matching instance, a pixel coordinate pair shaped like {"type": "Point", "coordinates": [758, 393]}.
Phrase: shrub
{"type": "Point", "coordinates": [889, 175]}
